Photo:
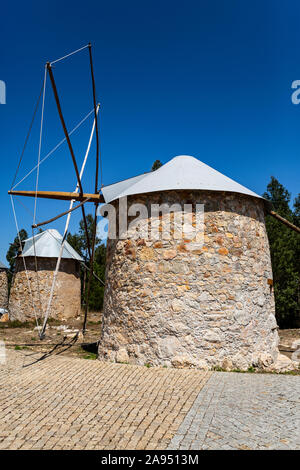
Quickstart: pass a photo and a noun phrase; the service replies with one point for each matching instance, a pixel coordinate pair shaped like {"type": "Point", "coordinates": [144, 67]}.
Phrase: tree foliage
{"type": "Point", "coordinates": [14, 248]}
{"type": "Point", "coordinates": [285, 254]}
{"type": "Point", "coordinates": [156, 165]}
{"type": "Point", "coordinates": [11, 254]}
{"type": "Point", "coordinates": [79, 242]}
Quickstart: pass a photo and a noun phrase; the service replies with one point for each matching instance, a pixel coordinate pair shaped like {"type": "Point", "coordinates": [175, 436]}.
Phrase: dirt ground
{"type": "Point", "coordinates": [288, 340]}
{"type": "Point", "coordinates": [61, 337]}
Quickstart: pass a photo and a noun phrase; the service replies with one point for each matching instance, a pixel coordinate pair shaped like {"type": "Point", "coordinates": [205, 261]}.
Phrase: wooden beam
{"type": "Point", "coordinates": [59, 215]}
{"type": "Point", "coordinates": [60, 195]}
{"type": "Point", "coordinates": [284, 221]}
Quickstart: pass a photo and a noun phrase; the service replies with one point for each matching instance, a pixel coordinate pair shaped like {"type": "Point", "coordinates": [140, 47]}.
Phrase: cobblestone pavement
{"type": "Point", "coordinates": [243, 411]}
{"type": "Point", "coordinates": [68, 403]}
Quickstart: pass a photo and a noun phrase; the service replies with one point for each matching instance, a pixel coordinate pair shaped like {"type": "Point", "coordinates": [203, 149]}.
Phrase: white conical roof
{"type": "Point", "coordinates": [47, 244]}
{"type": "Point", "coordinates": [182, 172]}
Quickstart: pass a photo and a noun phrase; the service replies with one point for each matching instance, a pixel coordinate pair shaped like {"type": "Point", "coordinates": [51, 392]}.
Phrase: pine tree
{"type": "Point", "coordinates": [156, 165]}
{"type": "Point", "coordinates": [297, 253]}
{"type": "Point", "coordinates": [297, 211]}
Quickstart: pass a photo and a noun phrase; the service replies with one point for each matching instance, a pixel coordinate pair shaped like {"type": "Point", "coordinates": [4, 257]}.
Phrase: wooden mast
{"type": "Point", "coordinates": [80, 196]}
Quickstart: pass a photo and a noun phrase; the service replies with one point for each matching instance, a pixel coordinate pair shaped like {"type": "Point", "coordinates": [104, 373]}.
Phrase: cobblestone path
{"type": "Point", "coordinates": [68, 403]}
{"type": "Point", "coordinates": [243, 411]}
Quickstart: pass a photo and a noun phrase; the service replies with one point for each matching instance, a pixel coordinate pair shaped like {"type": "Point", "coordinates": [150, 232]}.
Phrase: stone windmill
{"type": "Point", "coordinates": [188, 302]}
{"type": "Point", "coordinates": [177, 302]}
{"type": "Point", "coordinates": [32, 281]}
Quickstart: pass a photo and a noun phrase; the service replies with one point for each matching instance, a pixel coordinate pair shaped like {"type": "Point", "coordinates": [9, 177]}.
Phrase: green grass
{"type": "Point", "coordinates": [91, 356]}
{"type": "Point", "coordinates": [253, 370]}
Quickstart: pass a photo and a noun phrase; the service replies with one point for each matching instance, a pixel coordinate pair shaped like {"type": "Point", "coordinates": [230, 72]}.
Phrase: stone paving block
{"type": "Point", "coordinates": [245, 411]}
{"type": "Point", "coordinates": [67, 403]}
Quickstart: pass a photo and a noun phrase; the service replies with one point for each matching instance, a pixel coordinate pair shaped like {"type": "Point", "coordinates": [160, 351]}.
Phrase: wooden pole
{"type": "Point", "coordinates": [284, 221]}
{"type": "Point", "coordinates": [64, 124]}
{"type": "Point", "coordinates": [48, 65]}
{"type": "Point", "coordinates": [60, 195]}
{"type": "Point", "coordinates": [46, 222]}
{"type": "Point", "coordinates": [96, 204]}
{"type": "Point", "coordinates": [96, 120]}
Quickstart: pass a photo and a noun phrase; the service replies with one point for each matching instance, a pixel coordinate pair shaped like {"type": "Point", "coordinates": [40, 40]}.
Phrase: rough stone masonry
{"type": "Point", "coordinates": [3, 289]}
{"type": "Point", "coordinates": [168, 304]}
{"type": "Point", "coordinates": [36, 289]}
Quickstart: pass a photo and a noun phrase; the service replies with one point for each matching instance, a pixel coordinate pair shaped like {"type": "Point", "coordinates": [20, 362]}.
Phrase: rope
{"type": "Point", "coordinates": [55, 148]}
{"type": "Point", "coordinates": [100, 156]}
{"type": "Point", "coordinates": [27, 136]}
{"type": "Point", "coordinates": [49, 68]}
{"type": "Point", "coordinates": [36, 190]}
{"type": "Point", "coordinates": [24, 262]}
{"type": "Point", "coordinates": [37, 274]}
{"type": "Point", "coordinates": [68, 55]}
{"type": "Point", "coordinates": [83, 264]}
{"type": "Point", "coordinates": [62, 120]}
{"type": "Point", "coordinates": [96, 121]}
{"type": "Point", "coordinates": [78, 185]}
{"type": "Point", "coordinates": [40, 146]}
{"type": "Point", "coordinates": [95, 275]}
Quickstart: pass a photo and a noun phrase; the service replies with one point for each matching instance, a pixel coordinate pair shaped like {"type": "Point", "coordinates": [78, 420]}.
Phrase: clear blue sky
{"type": "Point", "coordinates": [205, 78]}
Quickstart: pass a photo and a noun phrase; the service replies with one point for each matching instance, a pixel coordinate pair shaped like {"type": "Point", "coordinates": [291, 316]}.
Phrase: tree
{"type": "Point", "coordinates": [284, 247]}
{"type": "Point", "coordinates": [79, 242]}
{"type": "Point", "coordinates": [15, 247]}
{"type": "Point", "coordinates": [297, 210]}
{"type": "Point", "coordinates": [75, 241]}
{"type": "Point", "coordinates": [97, 288]}
{"type": "Point", "coordinates": [11, 254]}
{"type": "Point", "coordinates": [156, 165]}
{"type": "Point", "coordinates": [297, 253]}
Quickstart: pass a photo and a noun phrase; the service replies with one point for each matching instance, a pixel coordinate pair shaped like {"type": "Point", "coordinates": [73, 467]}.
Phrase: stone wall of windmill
{"type": "Point", "coordinates": [3, 287]}
{"type": "Point", "coordinates": [169, 304]}
{"type": "Point", "coordinates": [30, 291]}
{"type": "Point", "coordinates": [33, 276]}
